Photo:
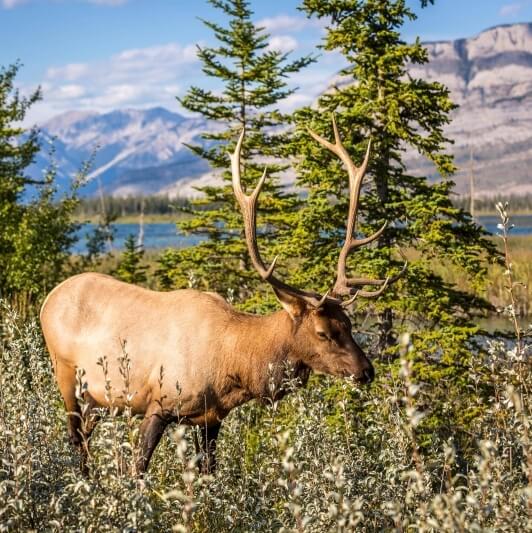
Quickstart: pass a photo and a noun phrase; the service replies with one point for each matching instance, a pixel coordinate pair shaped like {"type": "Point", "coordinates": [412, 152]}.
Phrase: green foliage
{"type": "Point", "coordinates": [99, 242]}
{"type": "Point", "coordinates": [130, 268]}
{"type": "Point", "coordinates": [252, 82]}
{"type": "Point", "coordinates": [330, 457]}
{"type": "Point", "coordinates": [376, 98]}
{"type": "Point", "coordinates": [36, 229]}
{"type": "Point", "coordinates": [130, 205]}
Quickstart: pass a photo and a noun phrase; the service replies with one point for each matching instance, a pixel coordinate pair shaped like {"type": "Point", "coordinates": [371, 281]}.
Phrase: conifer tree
{"type": "Point", "coordinates": [36, 228]}
{"type": "Point", "coordinates": [252, 81]}
{"type": "Point", "coordinates": [375, 98]}
{"type": "Point", "coordinates": [130, 268]}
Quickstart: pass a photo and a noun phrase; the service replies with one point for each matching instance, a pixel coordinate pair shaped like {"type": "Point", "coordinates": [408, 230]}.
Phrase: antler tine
{"type": "Point", "coordinates": [346, 286]}
{"type": "Point", "coordinates": [248, 207]}
{"type": "Point", "coordinates": [372, 294]}
{"type": "Point", "coordinates": [367, 294]}
{"type": "Point", "coordinates": [356, 174]}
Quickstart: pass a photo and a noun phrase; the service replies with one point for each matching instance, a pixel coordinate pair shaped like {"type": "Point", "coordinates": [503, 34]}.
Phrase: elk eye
{"type": "Point", "coordinates": [322, 335]}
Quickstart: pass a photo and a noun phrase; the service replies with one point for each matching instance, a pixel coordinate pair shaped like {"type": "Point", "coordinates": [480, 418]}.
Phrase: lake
{"type": "Point", "coordinates": [522, 223]}
{"type": "Point", "coordinates": [164, 234]}
{"type": "Point", "coordinates": [157, 235]}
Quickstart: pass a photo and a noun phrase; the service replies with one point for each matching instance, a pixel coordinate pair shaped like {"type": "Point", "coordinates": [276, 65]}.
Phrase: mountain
{"type": "Point", "coordinates": [490, 77]}
{"type": "Point", "coordinates": [135, 151]}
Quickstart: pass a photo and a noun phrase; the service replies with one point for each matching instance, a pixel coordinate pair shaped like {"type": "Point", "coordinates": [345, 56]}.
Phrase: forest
{"type": "Point", "coordinates": [131, 207]}
{"type": "Point", "coordinates": [439, 441]}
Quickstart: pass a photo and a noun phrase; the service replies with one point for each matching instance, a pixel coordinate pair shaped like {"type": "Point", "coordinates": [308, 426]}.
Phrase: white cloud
{"type": "Point", "coordinates": [118, 95]}
{"type": "Point", "coordinates": [282, 43]}
{"type": "Point", "coordinates": [155, 75]}
{"type": "Point", "coordinates": [296, 100]}
{"type": "Point", "coordinates": [154, 64]}
{"type": "Point", "coordinates": [284, 23]}
{"type": "Point", "coordinates": [167, 53]}
{"type": "Point", "coordinates": [70, 72]}
{"type": "Point", "coordinates": [509, 10]}
{"type": "Point", "coordinates": [67, 92]}
{"type": "Point", "coordinates": [138, 77]}
{"type": "Point", "coordinates": [9, 4]}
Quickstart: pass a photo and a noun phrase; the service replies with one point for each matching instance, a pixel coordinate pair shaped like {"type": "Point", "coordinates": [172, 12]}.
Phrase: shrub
{"type": "Point", "coordinates": [313, 462]}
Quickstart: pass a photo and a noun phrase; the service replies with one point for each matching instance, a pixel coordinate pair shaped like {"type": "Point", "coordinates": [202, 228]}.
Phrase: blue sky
{"type": "Point", "coordinates": [107, 54]}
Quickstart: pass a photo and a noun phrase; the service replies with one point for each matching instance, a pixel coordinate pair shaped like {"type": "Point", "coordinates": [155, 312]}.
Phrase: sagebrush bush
{"type": "Point", "coordinates": [310, 462]}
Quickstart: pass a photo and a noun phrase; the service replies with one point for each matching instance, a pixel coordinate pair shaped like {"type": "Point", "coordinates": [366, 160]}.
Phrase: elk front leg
{"type": "Point", "coordinates": [151, 431]}
{"type": "Point", "coordinates": [206, 445]}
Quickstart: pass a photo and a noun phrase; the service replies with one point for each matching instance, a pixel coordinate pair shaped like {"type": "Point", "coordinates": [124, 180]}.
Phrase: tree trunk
{"type": "Point", "coordinates": [385, 317]}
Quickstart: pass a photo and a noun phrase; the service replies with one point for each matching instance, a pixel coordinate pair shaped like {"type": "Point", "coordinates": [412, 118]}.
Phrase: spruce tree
{"type": "Point", "coordinates": [252, 81]}
{"type": "Point", "coordinates": [375, 98]}
{"type": "Point", "coordinates": [36, 228]}
{"type": "Point", "coordinates": [130, 268]}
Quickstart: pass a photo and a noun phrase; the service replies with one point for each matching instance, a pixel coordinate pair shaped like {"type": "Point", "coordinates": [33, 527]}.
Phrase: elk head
{"type": "Point", "coordinates": [322, 332]}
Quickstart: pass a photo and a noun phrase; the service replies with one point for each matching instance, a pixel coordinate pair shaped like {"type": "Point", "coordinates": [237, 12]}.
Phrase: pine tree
{"type": "Point", "coordinates": [36, 228]}
{"type": "Point", "coordinates": [15, 155]}
{"type": "Point", "coordinates": [376, 98]}
{"type": "Point", "coordinates": [252, 82]}
{"type": "Point", "coordinates": [130, 268]}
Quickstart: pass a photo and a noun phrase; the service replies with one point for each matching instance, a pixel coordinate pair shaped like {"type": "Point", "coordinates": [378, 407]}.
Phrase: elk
{"type": "Point", "coordinates": [219, 357]}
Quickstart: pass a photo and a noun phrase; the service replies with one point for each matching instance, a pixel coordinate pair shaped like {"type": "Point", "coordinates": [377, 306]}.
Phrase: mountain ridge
{"type": "Point", "coordinates": [125, 142]}
{"type": "Point", "coordinates": [490, 78]}
{"type": "Point", "coordinates": [489, 75]}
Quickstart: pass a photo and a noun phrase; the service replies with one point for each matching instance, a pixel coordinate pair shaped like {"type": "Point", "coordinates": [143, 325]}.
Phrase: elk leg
{"type": "Point", "coordinates": [151, 431]}
{"type": "Point", "coordinates": [76, 434]}
{"type": "Point", "coordinates": [87, 422]}
{"type": "Point", "coordinates": [206, 445]}
{"type": "Point", "coordinates": [80, 426]}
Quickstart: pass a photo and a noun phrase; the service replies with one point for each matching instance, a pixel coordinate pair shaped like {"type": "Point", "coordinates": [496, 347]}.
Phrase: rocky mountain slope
{"type": "Point", "coordinates": [490, 76]}
{"type": "Point", "coordinates": [135, 151]}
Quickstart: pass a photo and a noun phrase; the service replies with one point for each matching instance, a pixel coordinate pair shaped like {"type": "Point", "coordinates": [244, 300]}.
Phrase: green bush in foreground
{"type": "Point", "coordinates": [307, 463]}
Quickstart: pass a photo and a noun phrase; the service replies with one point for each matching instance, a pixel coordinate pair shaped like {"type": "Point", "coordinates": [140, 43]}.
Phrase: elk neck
{"type": "Point", "coordinates": [263, 348]}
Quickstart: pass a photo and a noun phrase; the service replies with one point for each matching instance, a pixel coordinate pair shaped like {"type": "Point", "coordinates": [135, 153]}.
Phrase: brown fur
{"type": "Point", "coordinates": [218, 357]}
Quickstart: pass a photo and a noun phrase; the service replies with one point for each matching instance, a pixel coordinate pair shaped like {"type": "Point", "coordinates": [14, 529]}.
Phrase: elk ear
{"type": "Point", "coordinates": [292, 304]}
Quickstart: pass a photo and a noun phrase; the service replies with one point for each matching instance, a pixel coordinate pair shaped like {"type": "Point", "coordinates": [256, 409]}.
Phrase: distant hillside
{"type": "Point", "coordinates": [136, 151]}
{"type": "Point", "coordinates": [490, 76]}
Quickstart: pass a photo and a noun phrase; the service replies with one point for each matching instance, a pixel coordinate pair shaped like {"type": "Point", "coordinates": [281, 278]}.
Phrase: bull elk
{"type": "Point", "coordinates": [219, 357]}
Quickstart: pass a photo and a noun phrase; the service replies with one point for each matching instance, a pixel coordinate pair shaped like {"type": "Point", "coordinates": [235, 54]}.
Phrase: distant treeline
{"type": "Point", "coordinates": [129, 205]}
{"type": "Point", "coordinates": [162, 205]}
{"type": "Point", "coordinates": [516, 202]}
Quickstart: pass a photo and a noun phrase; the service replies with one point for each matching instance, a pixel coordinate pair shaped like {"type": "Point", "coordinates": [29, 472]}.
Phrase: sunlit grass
{"type": "Point", "coordinates": [331, 457]}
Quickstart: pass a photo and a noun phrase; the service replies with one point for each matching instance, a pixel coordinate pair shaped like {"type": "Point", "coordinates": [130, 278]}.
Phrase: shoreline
{"type": "Point", "coordinates": [177, 217]}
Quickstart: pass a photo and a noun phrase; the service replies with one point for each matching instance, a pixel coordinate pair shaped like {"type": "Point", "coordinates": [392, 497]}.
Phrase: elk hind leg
{"type": "Point", "coordinates": [80, 424]}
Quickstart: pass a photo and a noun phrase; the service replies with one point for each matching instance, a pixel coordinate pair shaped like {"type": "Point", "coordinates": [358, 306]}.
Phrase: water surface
{"type": "Point", "coordinates": [165, 235]}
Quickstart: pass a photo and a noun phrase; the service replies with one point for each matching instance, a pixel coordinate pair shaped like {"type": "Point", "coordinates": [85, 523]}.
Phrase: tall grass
{"type": "Point", "coordinates": [307, 463]}
{"type": "Point", "coordinates": [521, 260]}
{"type": "Point", "coordinates": [495, 291]}
{"type": "Point", "coordinates": [330, 457]}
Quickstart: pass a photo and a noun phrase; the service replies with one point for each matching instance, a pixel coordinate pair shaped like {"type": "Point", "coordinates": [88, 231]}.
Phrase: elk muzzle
{"type": "Point", "coordinates": [363, 371]}
{"type": "Point", "coordinates": [359, 367]}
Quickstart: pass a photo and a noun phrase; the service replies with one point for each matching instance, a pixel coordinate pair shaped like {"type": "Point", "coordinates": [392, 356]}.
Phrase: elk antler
{"type": "Point", "coordinates": [345, 286]}
{"type": "Point", "coordinates": [248, 207]}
